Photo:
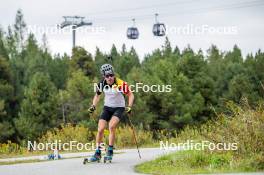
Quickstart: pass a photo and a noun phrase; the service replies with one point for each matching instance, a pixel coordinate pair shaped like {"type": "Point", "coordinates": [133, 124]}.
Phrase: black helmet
{"type": "Point", "coordinates": [107, 69]}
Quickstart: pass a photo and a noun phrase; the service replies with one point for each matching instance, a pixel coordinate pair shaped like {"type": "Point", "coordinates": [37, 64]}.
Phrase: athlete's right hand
{"type": "Point", "coordinates": [91, 109]}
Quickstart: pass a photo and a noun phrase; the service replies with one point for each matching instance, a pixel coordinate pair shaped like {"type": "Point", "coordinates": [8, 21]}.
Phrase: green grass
{"type": "Point", "coordinates": [195, 162]}
{"type": "Point", "coordinates": [21, 161]}
{"type": "Point", "coordinates": [33, 153]}
{"type": "Point", "coordinates": [34, 160]}
{"type": "Point", "coordinates": [38, 160]}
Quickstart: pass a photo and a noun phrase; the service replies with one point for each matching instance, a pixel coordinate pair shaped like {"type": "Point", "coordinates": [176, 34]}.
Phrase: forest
{"type": "Point", "coordinates": [40, 91]}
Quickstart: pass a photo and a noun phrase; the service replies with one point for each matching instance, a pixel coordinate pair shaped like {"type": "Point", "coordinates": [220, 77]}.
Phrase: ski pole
{"type": "Point", "coordinates": [134, 134]}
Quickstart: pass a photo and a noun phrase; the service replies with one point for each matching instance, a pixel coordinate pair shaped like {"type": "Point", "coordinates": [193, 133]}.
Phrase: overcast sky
{"type": "Point", "coordinates": [223, 23]}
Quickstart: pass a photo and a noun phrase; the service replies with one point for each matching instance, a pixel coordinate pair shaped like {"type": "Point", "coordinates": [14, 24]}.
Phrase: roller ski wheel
{"type": "Point", "coordinates": [108, 159]}
{"type": "Point", "coordinates": [85, 160]}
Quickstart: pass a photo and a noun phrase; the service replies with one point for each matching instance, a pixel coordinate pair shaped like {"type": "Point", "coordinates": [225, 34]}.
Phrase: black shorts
{"type": "Point", "coordinates": [108, 112]}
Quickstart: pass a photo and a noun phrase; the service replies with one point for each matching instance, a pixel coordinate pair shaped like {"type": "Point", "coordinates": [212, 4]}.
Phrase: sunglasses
{"type": "Point", "coordinates": [109, 75]}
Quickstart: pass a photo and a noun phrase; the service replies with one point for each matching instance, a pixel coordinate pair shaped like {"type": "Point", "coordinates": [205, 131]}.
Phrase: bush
{"type": "Point", "coordinates": [68, 133]}
{"type": "Point", "coordinates": [82, 134]}
{"type": "Point", "coordinates": [125, 138]}
{"type": "Point", "coordinates": [9, 149]}
{"type": "Point", "coordinates": [244, 125]}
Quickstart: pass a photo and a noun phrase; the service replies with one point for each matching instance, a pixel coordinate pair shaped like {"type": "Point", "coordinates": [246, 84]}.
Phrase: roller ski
{"type": "Point", "coordinates": [95, 158]}
{"type": "Point", "coordinates": [109, 155]}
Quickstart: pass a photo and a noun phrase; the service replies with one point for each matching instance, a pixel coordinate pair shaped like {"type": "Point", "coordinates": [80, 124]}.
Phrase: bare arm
{"type": "Point", "coordinates": [96, 99]}
{"type": "Point", "coordinates": [130, 99]}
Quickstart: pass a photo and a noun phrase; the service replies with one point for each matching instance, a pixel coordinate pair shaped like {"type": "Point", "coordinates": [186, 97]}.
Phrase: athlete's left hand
{"type": "Point", "coordinates": [128, 109]}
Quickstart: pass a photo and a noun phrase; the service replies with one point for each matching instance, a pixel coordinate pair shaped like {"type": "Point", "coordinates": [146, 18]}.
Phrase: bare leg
{"type": "Point", "coordinates": [112, 126]}
{"type": "Point", "coordinates": [100, 134]}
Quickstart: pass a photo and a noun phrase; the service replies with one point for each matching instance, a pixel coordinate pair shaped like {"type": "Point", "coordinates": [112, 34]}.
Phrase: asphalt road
{"type": "Point", "coordinates": [122, 164]}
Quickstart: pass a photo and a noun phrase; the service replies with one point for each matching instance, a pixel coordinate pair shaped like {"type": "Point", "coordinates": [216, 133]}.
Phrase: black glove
{"type": "Point", "coordinates": [91, 109]}
{"type": "Point", "coordinates": [128, 109]}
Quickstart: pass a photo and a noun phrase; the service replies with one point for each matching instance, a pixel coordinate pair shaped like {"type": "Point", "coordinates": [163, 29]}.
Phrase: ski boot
{"type": "Point", "coordinates": [95, 158]}
{"type": "Point", "coordinates": [109, 155]}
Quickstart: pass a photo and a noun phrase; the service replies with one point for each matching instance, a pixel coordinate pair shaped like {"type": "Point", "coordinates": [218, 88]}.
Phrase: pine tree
{"type": "Point", "coordinates": [82, 60]}
{"type": "Point", "coordinates": [6, 97]}
{"type": "Point", "coordinates": [19, 30]}
{"type": "Point", "coordinates": [39, 108]}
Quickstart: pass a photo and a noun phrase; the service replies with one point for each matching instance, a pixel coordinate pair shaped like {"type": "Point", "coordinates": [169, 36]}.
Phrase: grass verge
{"type": "Point", "coordinates": [38, 160]}
{"type": "Point", "coordinates": [197, 162]}
{"type": "Point", "coordinates": [241, 124]}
